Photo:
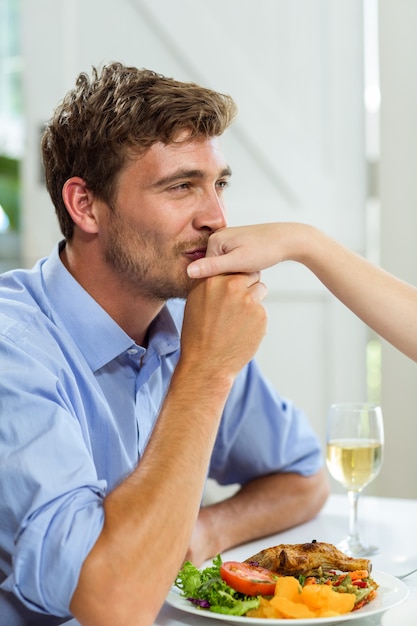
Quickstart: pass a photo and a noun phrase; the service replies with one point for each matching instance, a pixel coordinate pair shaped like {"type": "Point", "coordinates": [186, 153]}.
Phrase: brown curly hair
{"type": "Point", "coordinates": [122, 111]}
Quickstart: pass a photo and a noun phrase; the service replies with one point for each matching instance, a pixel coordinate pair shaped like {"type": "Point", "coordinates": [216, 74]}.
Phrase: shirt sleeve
{"type": "Point", "coordinates": [262, 433]}
{"type": "Point", "coordinates": [50, 496]}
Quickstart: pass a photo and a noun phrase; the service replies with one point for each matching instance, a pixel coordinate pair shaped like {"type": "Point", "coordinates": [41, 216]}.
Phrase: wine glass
{"type": "Point", "coordinates": [355, 439]}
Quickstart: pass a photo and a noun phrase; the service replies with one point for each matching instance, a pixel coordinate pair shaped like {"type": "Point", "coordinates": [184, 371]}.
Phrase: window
{"type": "Point", "coordinates": [11, 114]}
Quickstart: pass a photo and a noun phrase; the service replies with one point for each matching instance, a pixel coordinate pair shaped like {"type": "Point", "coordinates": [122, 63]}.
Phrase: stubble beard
{"type": "Point", "coordinates": [138, 262]}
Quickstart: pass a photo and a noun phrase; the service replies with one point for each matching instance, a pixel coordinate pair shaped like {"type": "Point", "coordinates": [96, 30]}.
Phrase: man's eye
{"type": "Point", "coordinates": [223, 184]}
{"type": "Point", "coordinates": [180, 187]}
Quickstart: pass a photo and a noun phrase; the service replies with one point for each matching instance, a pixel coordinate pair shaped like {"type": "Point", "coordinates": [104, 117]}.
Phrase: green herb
{"type": "Point", "coordinates": [207, 590]}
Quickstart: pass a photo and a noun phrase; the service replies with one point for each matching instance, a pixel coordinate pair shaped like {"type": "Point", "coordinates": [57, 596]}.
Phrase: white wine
{"type": "Point", "coordinates": [354, 462]}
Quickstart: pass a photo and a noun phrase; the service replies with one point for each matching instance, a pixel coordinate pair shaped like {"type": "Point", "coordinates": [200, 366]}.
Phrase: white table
{"type": "Point", "coordinates": [387, 522]}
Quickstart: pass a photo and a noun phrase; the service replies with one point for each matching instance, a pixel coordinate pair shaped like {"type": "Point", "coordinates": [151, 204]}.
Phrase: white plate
{"type": "Point", "coordinates": [391, 592]}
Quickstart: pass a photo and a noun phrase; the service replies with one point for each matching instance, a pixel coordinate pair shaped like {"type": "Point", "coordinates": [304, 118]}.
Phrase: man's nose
{"type": "Point", "coordinates": [211, 214]}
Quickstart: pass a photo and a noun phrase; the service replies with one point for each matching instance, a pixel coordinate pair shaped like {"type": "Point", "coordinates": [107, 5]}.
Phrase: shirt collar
{"type": "Point", "coordinates": [97, 335]}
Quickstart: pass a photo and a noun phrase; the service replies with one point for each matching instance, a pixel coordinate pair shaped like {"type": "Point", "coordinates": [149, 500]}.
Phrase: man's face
{"type": "Point", "coordinates": [167, 203]}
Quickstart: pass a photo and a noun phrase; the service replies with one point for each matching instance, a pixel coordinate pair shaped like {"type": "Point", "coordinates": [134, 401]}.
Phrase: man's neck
{"type": "Point", "coordinates": [132, 312]}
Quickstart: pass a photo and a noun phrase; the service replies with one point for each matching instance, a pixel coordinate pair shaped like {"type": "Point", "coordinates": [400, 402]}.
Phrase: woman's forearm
{"type": "Point", "coordinates": [385, 303]}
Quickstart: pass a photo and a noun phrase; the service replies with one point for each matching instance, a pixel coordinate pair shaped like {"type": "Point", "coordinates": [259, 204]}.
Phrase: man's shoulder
{"type": "Point", "coordinates": [20, 285]}
{"type": "Point", "coordinates": [22, 301]}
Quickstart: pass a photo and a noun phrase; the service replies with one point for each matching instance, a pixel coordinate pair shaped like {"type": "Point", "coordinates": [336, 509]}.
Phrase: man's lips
{"type": "Point", "coordinates": [198, 253]}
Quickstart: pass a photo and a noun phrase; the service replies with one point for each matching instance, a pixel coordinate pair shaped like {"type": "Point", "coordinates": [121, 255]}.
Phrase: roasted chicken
{"type": "Point", "coordinates": [307, 559]}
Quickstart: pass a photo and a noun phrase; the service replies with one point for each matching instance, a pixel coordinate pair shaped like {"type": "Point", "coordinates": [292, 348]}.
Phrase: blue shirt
{"type": "Point", "coordinates": [78, 401]}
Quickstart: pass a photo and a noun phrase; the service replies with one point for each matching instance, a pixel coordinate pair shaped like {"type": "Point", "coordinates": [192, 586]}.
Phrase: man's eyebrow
{"type": "Point", "coordinates": [184, 174]}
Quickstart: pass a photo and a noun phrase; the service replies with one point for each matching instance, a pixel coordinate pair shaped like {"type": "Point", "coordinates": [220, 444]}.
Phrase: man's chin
{"type": "Point", "coordinates": [180, 289]}
{"type": "Point", "coordinates": [183, 290]}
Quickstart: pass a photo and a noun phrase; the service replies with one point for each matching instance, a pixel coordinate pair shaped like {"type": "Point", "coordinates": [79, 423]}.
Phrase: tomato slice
{"type": "Point", "coordinates": [248, 579]}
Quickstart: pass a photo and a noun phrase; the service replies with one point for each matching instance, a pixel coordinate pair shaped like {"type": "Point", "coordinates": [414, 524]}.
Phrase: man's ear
{"type": "Point", "coordinates": [80, 204]}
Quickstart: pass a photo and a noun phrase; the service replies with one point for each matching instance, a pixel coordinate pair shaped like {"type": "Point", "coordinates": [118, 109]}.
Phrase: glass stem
{"type": "Point", "coordinates": [353, 515]}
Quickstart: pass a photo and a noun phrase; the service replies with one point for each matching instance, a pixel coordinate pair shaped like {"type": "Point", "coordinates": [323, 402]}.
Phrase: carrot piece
{"type": "Point", "coordinates": [359, 574]}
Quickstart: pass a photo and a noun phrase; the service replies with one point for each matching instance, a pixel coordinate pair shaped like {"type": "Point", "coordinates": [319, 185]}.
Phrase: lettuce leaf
{"type": "Point", "coordinates": [206, 589]}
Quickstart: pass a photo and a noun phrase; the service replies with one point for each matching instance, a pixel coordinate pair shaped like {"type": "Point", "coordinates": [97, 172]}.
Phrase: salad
{"type": "Point", "coordinates": [234, 588]}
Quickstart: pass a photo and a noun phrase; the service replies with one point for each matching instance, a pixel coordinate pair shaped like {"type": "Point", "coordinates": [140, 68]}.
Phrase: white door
{"type": "Point", "coordinates": [296, 150]}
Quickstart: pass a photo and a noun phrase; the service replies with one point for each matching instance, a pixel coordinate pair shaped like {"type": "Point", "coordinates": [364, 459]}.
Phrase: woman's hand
{"type": "Point", "coordinates": [246, 249]}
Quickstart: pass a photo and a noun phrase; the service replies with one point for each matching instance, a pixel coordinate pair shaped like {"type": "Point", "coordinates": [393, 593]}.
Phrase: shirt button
{"type": "Point", "coordinates": [132, 351]}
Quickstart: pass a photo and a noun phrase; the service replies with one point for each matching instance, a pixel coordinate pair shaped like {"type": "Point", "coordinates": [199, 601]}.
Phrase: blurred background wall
{"type": "Point", "coordinates": [326, 134]}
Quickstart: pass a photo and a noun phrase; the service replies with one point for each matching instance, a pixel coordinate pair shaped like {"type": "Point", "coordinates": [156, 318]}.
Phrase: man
{"type": "Point", "coordinates": [108, 429]}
